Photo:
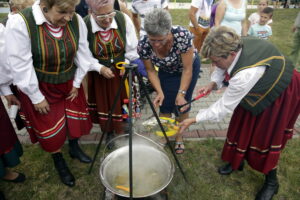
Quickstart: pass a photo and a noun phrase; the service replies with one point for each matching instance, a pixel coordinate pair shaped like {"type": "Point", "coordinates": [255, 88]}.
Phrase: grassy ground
{"type": "Point", "coordinates": [200, 163]}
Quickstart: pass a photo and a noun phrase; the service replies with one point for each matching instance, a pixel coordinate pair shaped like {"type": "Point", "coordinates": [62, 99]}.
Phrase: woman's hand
{"type": "Point", "coordinates": [207, 89]}
{"type": "Point", "coordinates": [43, 107]}
{"type": "Point", "coordinates": [186, 123]}
{"type": "Point", "coordinates": [12, 100]}
{"type": "Point", "coordinates": [180, 100]}
{"type": "Point", "coordinates": [158, 100]}
{"type": "Point", "coordinates": [73, 94]}
{"type": "Point", "coordinates": [106, 72]}
{"type": "Point", "coordinates": [122, 72]}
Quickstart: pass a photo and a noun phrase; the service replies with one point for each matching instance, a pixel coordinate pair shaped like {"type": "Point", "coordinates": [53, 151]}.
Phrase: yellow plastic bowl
{"type": "Point", "coordinates": [171, 131]}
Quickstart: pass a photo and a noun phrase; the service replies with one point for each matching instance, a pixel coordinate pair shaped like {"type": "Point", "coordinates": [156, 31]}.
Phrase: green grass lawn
{"type": "Point", "coordinates": [200, 162]}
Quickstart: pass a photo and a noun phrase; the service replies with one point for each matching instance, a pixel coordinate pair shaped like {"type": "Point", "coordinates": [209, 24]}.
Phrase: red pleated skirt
{"type": "Point", "coordinates": [102, 92]}
{"type": "Point", "coordinates": [260, 139]}
{"type": "Point", "coordinates": [65, 117]}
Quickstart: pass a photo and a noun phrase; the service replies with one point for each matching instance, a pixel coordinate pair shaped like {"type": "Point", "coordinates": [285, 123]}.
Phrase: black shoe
{"type": "Point", "coordinates": [227, 169]}
{"type": "Point", "coordinates": [270, 187]}
{"type": "Point", "coordinates": [64, 173]}
{"type": "Point", "coordinates": [109, 136]}
{"type": "Point", "coordinates": [2, 197]}
{"type": "Point", "coordinates": [20, 179]}
{"type": "Point", "coordinates": [76, 152]}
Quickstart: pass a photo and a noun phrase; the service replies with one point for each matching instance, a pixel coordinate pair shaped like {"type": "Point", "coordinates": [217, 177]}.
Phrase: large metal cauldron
{"type": "Point", "coordinates": [152, 168]}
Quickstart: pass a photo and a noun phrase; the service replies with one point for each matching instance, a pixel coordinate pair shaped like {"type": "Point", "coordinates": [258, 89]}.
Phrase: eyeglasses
{"type": "Point", "coordinates": [162, 41]}
{"type": "Point", "coordinates": [109, 15]}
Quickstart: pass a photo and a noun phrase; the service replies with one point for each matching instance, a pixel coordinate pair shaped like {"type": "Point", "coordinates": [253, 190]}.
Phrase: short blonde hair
{"type": "Point", "coordinates": [220, 42]}
{"type": "Point", "coordinates": [62, 4]}
{"type": "Point", "coordinates": [20, 4]}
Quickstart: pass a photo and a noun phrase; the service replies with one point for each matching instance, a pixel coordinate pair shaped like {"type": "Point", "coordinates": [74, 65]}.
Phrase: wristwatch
{"type": "Point", "coordinates": [182, 92]}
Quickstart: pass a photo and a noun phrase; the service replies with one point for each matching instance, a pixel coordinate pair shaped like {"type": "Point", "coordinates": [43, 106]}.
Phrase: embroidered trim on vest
{"type": "Point", "coordinates": [262, 63]}
{"type": "Point", "coordinates": [112, 51]}
{"type": "Point", "coordinates": [272, 83]}
{"type": "Point", "coordinates": [53, 58]}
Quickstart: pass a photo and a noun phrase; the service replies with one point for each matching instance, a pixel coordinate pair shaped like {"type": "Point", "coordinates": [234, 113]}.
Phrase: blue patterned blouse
{"type": "Point", "coordinates": [172, 63]}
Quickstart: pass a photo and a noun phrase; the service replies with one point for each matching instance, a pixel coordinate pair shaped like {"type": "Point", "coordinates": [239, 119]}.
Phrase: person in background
{"type": "Point", "coordinates": [140, 8]}
{"type": "Point", "coordinates": [121, 5]}
{"type": "Point", "coordinates": [18, 5]}
{"type": "Point", "coordinates": [295, 53]}
{"type": "Point", "coordinates": [82, 8]}
{"type": "Point", "coordinates": [213, 14]}
{"type": "Point", "coordinates": [112, 39]}
{"type": "Point", "coordinates": [255, 17]}
{"type": "Point", "coordinates": [286, 3]}
{"type": "Point", "coordinates": [170, 48]}
{"type": "Point", "coordinates": [232, 13]}
{"type": "Point", "coordinates": [199, 15]}
{"type": "Point", "coordinates": [15, 6]}
{"type": "Point", "coordinates": [263, 95]}
{"type": "Point", "coordinates": [276, 4]}
{"type": "Point", "coordinates": [48, 54]}
{"type": "Point", "coordinates": [262, 30]}
{"type": "Point", "coordinates": [296, 3]}
{"type": "Point", "coordinates": [10, 147]}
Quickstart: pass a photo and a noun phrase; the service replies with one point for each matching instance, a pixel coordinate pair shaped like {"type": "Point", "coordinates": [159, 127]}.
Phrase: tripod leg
{"type": "Point", "coordinates": [143, 87]}
{"type": "Point", "coordinates": [109, 120]}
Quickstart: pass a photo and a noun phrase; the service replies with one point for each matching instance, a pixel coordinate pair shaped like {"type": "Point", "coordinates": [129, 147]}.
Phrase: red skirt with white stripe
{"type": "Point", "coordinates": [65, 117]}
{"type": "Point", "coordinates": [102, 93]}
{"type": "Point", "coordinates": [260, 139]}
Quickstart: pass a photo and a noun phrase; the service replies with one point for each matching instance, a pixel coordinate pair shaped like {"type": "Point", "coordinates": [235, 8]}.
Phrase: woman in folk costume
{"type": "Point", "coordinates": [49, 55]}
{"type": "Point", "coordinates": [112, 39]}
{"type": "Point", "coordinates": [263, 95]}
{"type": "Point", "coordinates": [10, 147]}
{"type": "Point", "coordinates": [16, 6]}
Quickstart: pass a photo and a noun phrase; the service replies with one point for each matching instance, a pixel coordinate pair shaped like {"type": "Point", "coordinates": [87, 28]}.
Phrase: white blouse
{"type": "Point", "coordinates": [20, 56]}
{"type": "Point", "coordinates": [5, 73]}
{"type": "Point", "coordinates": [131, 38]}
{"type": "Point", "coordinates": [239, 86]}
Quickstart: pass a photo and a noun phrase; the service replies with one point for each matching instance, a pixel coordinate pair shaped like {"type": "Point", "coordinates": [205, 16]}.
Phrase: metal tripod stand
{"type": "Point", "coordinates": [129, 69]}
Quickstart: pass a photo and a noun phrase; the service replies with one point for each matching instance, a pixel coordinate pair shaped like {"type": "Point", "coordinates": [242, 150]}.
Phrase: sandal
{"type": "Point", "coordinates": [19, 179]}
{"type": "Point", "coordinates": [179, 147]}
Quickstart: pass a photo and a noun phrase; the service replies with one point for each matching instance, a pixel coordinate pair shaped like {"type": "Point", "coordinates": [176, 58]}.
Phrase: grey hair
{"type": "Point", "coordinates": [220, 42]}
{"type": "Point", "coordinates": [158, 22]}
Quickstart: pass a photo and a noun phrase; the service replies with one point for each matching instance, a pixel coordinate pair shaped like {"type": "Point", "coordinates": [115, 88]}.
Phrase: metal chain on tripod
{"type": "Point", "coordinates": [133, 100]}
{"type": "Point", "coordinates": [138, 97]}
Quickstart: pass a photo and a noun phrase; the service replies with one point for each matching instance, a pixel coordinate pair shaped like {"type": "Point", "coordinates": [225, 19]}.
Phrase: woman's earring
{"type": "Point", "coordinates": [45, 10]}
